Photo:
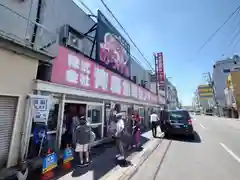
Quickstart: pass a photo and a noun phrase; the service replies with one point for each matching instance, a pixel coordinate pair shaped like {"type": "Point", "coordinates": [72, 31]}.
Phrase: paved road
{"type": "Point", "coordinates": [214, 155]}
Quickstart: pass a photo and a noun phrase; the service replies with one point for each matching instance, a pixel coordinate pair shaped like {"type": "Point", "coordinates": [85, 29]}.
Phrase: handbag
{"type": "Point", "coordinates": [112, 129]}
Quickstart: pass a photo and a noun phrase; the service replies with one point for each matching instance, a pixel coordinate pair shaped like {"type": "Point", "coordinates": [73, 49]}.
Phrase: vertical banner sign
{"type": "Point", "coordinates": [160, 69]}
{"type": "Point", "coordinates": [112, 50]}
{"type": "Point", "coordinates": [40, 108]}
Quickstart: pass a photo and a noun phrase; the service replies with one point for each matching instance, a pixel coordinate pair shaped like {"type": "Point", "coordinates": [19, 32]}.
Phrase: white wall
{"type": "Point", "coordinates": [17, 73]}
{"type": "Point", "coordinates": [219, 78]}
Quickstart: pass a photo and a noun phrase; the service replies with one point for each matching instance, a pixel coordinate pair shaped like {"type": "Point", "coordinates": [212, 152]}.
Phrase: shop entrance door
{"type": "Point", "coordinates": [95, 118]}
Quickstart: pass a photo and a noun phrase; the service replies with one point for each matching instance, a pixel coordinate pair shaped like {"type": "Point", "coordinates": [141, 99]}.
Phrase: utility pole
{"type": "Point", "coordinates": [211, 84]}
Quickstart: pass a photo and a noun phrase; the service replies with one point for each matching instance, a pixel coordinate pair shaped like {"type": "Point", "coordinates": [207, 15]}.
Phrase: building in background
{"type": "Point", "coordinates": [161, 91]}
{"type": "Point", "coordinates": [232, 95]}
{"type": "Point", "coordinates": [167, 93]}
{"type": "Point", "coordinates": [206, 99]}
{"type": "Point", "coordinates": [171, 95]}
{"type": "Point", "coordinates": [195, 101]}
{"type": "Point", "coordinates": [221, 70]}
{"type": "Point", "coordinates": [59, 51]}
{"type": "Point", "coordinates": [140, 75]}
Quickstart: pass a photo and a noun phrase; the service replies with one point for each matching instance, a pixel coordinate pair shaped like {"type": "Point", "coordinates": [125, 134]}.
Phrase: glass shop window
{"type": "Point", "coordinates": [94, 114]}
{"type": "Point", "coordinates": [34, 147]}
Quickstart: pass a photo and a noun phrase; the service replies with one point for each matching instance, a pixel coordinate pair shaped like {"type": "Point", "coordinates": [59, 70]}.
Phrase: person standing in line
{"type": "Point", "coordinates": [154, 119]}
{"type": "Point", "coordinates": [70, 123]}
{"type": "Point", "coordinates": [129, 131]}
{"type": "Point", "coordinates": [76, 121]}
{"type": "Point", "coordinates": [136, 130]}
{"type": "Point", "coordinates": [119, 138]}
{"type": "Point", "coordinates": [83, 138]}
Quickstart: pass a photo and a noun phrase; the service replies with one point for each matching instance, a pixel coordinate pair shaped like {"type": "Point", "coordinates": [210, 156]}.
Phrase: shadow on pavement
{"type": "Point", "coordinates": [103, 161]}
{"type": "Point", "coordinates": [195, 139]}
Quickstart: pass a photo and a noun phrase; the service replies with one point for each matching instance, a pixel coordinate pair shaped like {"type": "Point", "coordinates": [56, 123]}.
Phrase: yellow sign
{"type": "Point", "coordinates": [205, 91]}
{"type": "Point", "coordinates": [208, 90]}
{"type": "Point", "coordinates": [205, 94]}
{"type": "Point", "coordinates": [203, 86]}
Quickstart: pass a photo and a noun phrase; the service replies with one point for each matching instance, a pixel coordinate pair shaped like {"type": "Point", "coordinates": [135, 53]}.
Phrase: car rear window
{"type": "Point", "coordinates": [178, 115]}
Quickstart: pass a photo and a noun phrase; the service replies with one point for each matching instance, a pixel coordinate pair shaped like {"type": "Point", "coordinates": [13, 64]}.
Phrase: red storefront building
{"type": "Point", "coordinates": [76, 79]}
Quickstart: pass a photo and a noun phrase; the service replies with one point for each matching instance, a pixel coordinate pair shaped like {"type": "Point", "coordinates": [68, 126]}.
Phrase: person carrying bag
{"type": "Point", "coordinates": [118, 136]}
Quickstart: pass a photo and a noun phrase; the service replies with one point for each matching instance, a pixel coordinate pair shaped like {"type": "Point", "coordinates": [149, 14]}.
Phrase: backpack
{"type": "Point", "coordinates": [83, 134]}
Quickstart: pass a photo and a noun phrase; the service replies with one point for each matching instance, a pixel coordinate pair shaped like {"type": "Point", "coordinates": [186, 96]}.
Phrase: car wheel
{"type": "Point", "coordinates": [166, 135]}
{"type": "Point", "coordinates": [192, 137]}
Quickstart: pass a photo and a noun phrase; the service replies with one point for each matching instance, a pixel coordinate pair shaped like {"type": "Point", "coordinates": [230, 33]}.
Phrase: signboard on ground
{"type": "Point", "coordinates": [67, 155]}
{"type": "Point", "coordinates": [49, 162]}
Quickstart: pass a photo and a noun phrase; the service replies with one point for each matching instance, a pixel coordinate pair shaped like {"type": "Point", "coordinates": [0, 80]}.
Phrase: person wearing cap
{"type": "Point", "coordinates": [119, 137]}
{"type": "Point", "coordinates": [83, 138]}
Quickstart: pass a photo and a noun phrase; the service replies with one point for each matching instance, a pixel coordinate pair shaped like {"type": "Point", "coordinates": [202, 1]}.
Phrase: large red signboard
{"type": "Point", "coordinates": [76, 70]}
{"type": "Point", "coordinates": [160, 69]}
{"type": "Point", "coordinates": [112, 50]}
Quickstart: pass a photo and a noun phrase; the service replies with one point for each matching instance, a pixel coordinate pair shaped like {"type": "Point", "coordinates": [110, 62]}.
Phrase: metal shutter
{"type": "Point", "coordinates": [8, 107]}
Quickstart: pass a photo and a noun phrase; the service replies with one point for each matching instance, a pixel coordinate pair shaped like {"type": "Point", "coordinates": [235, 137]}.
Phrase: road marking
{"type": "Point", "coordinates": [230, 152]}
{"type": "Point", "coordinates": [202, 126]}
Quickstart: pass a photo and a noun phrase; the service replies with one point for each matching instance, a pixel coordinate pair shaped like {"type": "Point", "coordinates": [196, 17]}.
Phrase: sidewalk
{"type": "Point", "coordinates": [104, 166]}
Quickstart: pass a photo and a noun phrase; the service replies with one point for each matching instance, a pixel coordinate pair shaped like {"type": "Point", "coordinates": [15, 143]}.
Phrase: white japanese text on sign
{"type": "Point", "coordinates": [101, 78]}
{"type": "Point", "coordinates": [116, 85]}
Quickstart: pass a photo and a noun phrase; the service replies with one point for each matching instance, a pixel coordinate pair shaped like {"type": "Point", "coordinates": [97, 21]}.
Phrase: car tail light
{"type": "Point", "coordinates": [189, 122]}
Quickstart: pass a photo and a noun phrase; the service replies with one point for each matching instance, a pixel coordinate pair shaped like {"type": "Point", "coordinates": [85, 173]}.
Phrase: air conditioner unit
{"type": "Point", "coordinates": [74, 42]}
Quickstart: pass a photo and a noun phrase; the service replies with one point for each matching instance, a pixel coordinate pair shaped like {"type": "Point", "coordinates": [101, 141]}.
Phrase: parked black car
{"type": "Point", "coordinates": [179, 122]}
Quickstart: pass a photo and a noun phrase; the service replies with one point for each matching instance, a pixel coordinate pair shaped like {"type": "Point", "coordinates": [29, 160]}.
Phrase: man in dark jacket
{"type": "Point", "coordinates": [83, 138]}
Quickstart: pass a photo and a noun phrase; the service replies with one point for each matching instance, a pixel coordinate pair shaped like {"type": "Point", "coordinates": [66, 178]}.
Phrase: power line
{"type": "Point", "coordinates": [235, 33]}
{"type": "Point", "coordinates": [220, 27]}
{"type": "Point", "coordinates": [145, 59]}
{"type": "Point", "coordinates": [235, 45]}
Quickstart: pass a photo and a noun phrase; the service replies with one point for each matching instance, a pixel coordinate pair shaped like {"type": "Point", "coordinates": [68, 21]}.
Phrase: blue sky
{"type": "Point", "coordinates": [178, 28]}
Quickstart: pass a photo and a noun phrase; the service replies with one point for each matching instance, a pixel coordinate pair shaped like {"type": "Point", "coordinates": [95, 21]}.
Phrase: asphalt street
{"type": "Point", "coordinates": [214, 154]}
